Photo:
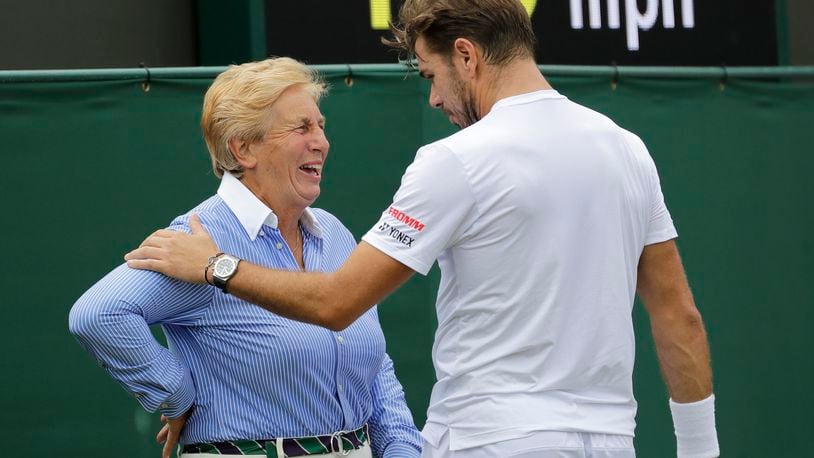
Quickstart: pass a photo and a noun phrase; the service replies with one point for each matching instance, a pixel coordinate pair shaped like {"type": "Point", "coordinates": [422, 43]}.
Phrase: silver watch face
{"type": "Point", "coordinates": [224, 267]}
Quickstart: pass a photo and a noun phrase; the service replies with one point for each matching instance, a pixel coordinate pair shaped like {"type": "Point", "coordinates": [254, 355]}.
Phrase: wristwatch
{"type": "Point", "coordinates": [223, 269]}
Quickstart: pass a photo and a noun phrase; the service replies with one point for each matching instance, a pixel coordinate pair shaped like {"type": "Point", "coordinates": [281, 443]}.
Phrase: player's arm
{"type": "Point", "coordinates": [434, 196]}
{"type": "Point", "coordinates": [332, 300]}
{"type": "Point", "coordinates": [681, 345]}
{"type": "Point", "coordinates": [678, 330]}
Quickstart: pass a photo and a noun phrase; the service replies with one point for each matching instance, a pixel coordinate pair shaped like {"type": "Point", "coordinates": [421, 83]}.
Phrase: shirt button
{"type": "Point", "coordinates": [339, 387]}
{"type": "Point", "coordinates": [164, 405]}
{"type": "Point", "coordinates": [340, 339]}
{"type": "Point", "coordinates": [261, 233]}
{"type": "Point", "coordinates": [279, 245]}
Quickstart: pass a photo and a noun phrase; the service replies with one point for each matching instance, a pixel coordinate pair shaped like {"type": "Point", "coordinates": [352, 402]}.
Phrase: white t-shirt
{"type": "Point", "coordinates": [537, 215]}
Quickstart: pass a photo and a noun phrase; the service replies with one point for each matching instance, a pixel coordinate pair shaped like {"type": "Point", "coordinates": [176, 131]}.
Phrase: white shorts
{"type": "Point", "coordinates": [542, 444]}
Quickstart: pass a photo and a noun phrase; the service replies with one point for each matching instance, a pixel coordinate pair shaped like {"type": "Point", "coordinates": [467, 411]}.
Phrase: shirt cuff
{"type": "Point", "coordinates": [179, 402]}
{"type": "Point", "coordinates": [401, 450]}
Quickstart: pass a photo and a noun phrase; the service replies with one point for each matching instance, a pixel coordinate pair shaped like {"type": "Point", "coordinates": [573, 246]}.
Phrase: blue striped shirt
{"type": "Point", "coordinates": [249, 373]}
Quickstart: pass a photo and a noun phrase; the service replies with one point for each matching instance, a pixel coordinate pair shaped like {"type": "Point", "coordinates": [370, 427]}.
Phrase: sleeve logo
{"type": "Point", "coordinates": [397, 234]}
{"type": "Point", "coordinates": [406, 219]}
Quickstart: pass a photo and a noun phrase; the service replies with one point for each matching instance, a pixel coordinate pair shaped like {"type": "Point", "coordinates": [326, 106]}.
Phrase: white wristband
{"type": "Point", "coordinates": [694, 424]}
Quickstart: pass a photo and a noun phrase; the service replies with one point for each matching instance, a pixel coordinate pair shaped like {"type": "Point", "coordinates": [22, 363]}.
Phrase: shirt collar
{"type": "Point", "coordinates": [527, 98]}
{"type": "Point", "coordinates": [253, 213]}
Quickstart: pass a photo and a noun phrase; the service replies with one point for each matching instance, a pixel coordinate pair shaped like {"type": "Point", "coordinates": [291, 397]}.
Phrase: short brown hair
{"type": "Point", "coordinates": [502, 28]}
{"type": "Point", "coordinates": [237, 104]}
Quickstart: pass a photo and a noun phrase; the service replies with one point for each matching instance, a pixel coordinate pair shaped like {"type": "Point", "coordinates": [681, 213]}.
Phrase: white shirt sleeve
{"type": "Point", "coordinates": [431, 211]}
{"type": "Point", "coordinates": [659, 223]}
{"type": "Point", "coordinates": [661, 226]}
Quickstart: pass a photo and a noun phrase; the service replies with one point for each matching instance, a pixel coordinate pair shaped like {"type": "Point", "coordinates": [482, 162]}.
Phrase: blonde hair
{"type": "Point", "coordinates": [237, 103]}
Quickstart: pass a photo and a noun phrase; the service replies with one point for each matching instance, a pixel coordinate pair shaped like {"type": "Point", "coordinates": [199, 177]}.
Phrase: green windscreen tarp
{"type": "Point", "coordinates": [93, 162]}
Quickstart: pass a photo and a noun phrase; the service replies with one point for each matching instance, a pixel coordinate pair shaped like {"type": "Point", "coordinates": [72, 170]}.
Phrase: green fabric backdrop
{"type": "Point", "coordinates": [91, 167]}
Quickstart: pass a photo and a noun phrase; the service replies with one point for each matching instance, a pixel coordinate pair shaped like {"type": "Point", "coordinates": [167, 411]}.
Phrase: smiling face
{"type": "Point", "coordinates": [288, 161]}
{"type": "Point", "coordinates": [448, 91]}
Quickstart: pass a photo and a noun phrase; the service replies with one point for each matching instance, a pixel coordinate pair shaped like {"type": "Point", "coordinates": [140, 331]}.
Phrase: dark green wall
{"type": "Point", "coordinates": [90, 168]}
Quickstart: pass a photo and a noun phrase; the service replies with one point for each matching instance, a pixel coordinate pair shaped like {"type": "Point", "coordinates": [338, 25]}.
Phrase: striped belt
{"type": "Point", "coordinates": [338, 442]}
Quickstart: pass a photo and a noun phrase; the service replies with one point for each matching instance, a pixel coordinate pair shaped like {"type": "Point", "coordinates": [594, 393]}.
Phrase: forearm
{"type": "Point", "coordinates": [683, 352]}
{"type": "Point", "coordinates": [309, 297]}
{"type": "Point", "coordinates": [678, 330]}
{"type": "Point", "coordinates": [332, 300]}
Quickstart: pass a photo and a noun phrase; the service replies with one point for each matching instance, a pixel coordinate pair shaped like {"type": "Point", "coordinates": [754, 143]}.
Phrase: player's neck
{"type": "Point", "coordinates": [520, 76]}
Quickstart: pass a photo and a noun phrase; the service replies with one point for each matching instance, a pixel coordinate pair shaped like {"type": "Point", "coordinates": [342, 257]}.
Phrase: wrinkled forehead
{"type": "Point", "coordinates": [295, 106]}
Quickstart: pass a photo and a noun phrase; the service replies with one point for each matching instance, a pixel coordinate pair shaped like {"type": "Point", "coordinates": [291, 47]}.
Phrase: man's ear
{"type": "Point", "coordinates": [467, 55]}
{"type": "Point", "coordinates": [242, 153]}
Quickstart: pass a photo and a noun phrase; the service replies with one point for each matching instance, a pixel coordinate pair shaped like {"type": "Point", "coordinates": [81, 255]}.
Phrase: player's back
{"type": "Point", "coordinates": [544, 278]}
